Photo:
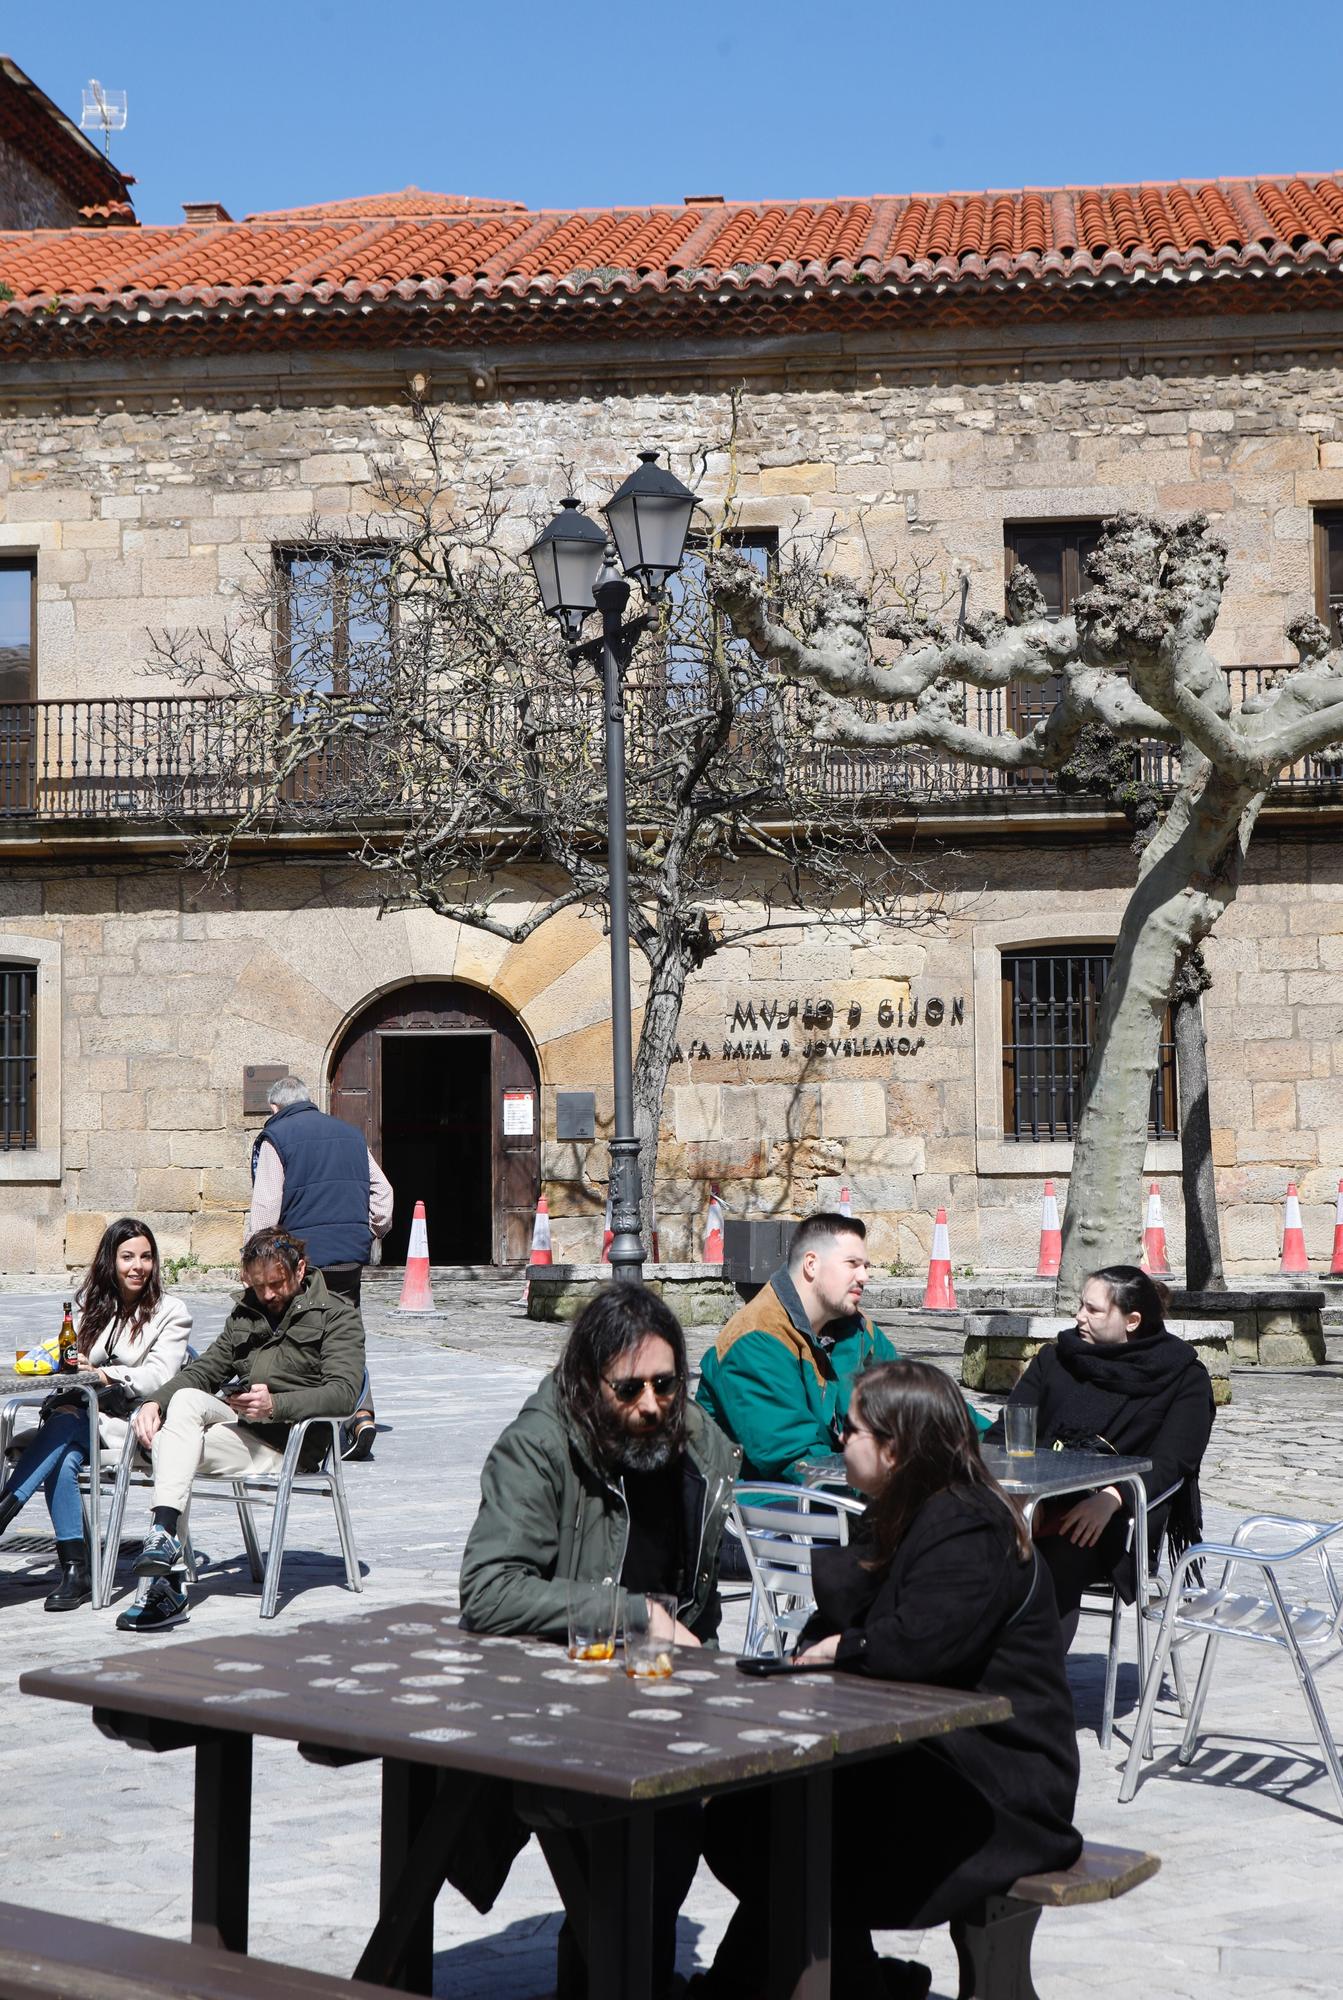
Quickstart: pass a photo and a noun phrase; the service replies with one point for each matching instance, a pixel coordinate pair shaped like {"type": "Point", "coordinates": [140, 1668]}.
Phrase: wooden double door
{"type": "Point", "coordinates": [442, 1081]}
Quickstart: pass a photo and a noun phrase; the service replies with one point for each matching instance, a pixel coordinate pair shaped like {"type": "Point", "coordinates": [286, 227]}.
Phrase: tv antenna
{"type": "Point", "coordinates": [104, 111]}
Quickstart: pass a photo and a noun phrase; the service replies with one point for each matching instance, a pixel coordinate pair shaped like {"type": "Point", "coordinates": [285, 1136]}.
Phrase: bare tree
{"type": "Point", "coordinates": [1133, 658]}
{"type": "Point", "coordinates": [408, 686]}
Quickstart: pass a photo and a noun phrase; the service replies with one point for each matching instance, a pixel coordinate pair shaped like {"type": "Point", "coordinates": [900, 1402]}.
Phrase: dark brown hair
{"type": "Point", "coordinates": [816, 1231]}
{"type": "Point", "coordinates": [1134, 1292]}
{"type": "Point", "coordinates": [274, 1246]}
{"type": "Point", "coordinates": [98, 1299]}
{"type": "Point", "coordinates": [922, 1415]}
{"type": "Point", "coordinates": [617, 1319]}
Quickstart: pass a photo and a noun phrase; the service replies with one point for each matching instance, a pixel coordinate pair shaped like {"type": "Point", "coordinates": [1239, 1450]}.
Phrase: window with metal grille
{"type": "Point", "coordinates": [1329, 570]}
{"type": "Point", "coordinates": [1050, 1003]}
{"type": "Point", "coordinates": [18, 1057]}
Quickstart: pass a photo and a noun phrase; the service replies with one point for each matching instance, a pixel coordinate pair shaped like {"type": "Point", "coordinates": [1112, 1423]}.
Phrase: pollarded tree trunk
{"type": "Point", "coordinates": [1188, 875]}
{"type": "Point", "coordinates": [1202, 1235]}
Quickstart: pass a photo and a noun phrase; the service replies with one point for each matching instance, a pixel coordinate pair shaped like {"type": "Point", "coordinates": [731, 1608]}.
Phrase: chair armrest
{"type": "Point", "coordinates": [297, 1432]}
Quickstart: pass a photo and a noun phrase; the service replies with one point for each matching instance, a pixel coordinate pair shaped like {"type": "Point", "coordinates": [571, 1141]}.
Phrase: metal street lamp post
{"type": "Point", "coordinates": [576, 572]}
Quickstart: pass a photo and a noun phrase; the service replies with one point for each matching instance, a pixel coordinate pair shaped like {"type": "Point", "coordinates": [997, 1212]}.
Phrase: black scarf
{"type": "Point", "coordinates": [1118, 1402]}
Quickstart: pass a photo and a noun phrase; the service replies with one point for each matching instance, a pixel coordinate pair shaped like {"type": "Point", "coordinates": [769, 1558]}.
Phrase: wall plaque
{"type": "Point", "coordinates": [257, 1079]}
{"type": "Point", "coordinates": [575, 1114]}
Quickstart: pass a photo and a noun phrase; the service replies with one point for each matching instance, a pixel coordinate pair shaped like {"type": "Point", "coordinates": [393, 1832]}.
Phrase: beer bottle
{"type": "Point", "coordinates": [69, 1357]}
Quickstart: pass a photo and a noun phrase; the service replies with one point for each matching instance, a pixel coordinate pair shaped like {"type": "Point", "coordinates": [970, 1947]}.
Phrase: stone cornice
{"type": "Point", "coordinates": [798, 361]}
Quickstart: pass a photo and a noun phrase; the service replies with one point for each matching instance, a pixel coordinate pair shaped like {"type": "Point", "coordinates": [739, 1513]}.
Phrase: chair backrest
{"type": "Point", "coordinates": [778, 1527]}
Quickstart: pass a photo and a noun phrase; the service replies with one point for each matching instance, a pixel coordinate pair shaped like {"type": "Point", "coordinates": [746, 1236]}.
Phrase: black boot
{"type": "Point", "coordinates": [9, 1507]}
{"type": "Point", "coordinates": [75, 1587]}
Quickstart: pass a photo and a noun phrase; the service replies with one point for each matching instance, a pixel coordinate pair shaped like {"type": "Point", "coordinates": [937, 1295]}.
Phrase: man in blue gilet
{"type": "Point", "coordinates": [314, 1176]}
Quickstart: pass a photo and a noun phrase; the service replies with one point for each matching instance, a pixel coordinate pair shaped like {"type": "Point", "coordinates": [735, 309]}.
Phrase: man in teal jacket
{"type": "Point", "coordinates": [779, 1376]}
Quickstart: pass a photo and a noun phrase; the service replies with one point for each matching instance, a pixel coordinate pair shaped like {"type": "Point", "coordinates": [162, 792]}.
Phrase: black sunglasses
{"type": "Point", "coordinates": [849, 1429]}
{"type": "Point", "coordinates": [629, 1388]}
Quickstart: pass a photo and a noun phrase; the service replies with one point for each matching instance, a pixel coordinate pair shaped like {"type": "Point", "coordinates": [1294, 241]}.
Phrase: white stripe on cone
{"type": "Point", "coordinates": [1154, 1258]}
{"type": "Point", "coordinates": [607, 1233]}
{"type": "Point", "coordinates": [713, 1229]}
{"type": "Point", "coordinates": [1051, 1236]}
{"type": "Point", "coordinates": [845, 1202]}
{"type": "Point", "coordinates": [941, 1293]}
{"type": "Point", "coordinates": [416, 1296]}
{"type": "Point", "coordinates": [1294, 1259]}
{"type": "Point", "coordinates": [541, 1236]}
{"type": "Point", "coordinates": [1336, 1268]}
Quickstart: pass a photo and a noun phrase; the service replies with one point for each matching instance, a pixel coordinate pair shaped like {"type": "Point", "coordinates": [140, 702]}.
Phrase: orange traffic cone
{"type": "Point", "coordinates": [607, 1233]}
{"type": "Point", "coordinates": [1294, 1260]}
{"type": "Point", "coordinates": [1051, 1236]}
{"type": "Point", "coordinates": [713, 1229]}
{"type": "Point", "coordinates": [1336, 1268]}
{"type": "Point", "coordinates": [416, 1296]}
{"type": "Point", "coordinates": [1154, 1259]}
{"type": "Point", "coordinates": [541, 1236]}
{"type": "Point", "coordinates": [941, 1293]}
{"type": "Point", "coordinates": [845, 1202]}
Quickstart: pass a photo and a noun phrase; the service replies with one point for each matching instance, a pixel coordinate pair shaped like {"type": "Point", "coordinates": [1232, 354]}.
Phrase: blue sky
{"type": "Point", "coordinates": [269, 105]}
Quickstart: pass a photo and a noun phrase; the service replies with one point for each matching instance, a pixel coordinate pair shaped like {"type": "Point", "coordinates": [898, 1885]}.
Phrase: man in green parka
{"type": "Point", "coordinates": [607, 1474]}
{"type": "Point", "coordinates": [779, 1376]}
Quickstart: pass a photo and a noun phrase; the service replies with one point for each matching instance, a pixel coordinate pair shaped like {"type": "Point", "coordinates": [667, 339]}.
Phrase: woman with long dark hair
{"type": "Point", "coordinates": [1117, 1381]}
{"type": "Point", "coordinates": [939, 1585]}
{"type": "Point", "coordinates": [131, 1337]}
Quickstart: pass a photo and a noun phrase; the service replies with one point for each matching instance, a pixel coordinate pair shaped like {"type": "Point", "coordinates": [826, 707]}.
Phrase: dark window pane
{"type": "Point", "coordinates": [1050, 1005]}
{"type": "Point", "coordinates": [1331, 566]}
{"type": "Point", "coordinates": [693, 626]}
{"type": "Point", "coordinates": [18, 1057]}
{"type": "Point", "coordinates": [16, 631]}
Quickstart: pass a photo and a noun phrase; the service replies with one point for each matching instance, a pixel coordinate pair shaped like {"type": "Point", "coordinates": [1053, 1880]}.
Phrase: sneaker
{"type": "Point", "coordinates": [160, 1554]}
{"type": "Point", "coordinates": [357, 1435]}
{"type": "Point", "coordinates": [161, 1606]}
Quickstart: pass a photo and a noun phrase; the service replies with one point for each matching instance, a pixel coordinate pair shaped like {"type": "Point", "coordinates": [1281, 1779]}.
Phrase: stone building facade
{"type": "Point", "coordinates": [151, 466]}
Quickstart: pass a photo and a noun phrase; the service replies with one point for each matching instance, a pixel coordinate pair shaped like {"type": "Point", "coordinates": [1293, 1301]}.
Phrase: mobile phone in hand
{"type": "Point", "coordinates": [766, 1669]}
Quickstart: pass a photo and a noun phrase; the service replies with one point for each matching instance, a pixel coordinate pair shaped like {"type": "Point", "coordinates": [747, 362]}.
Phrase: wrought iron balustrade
{"type": "Point", "coordinates": [181, 760]}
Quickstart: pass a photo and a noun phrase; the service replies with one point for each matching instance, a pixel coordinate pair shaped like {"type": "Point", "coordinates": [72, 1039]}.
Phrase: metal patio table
{"type": "Point", "coordinates": [1045, 1475]}
{"type": "Point", "coordinates": [452, 1716]}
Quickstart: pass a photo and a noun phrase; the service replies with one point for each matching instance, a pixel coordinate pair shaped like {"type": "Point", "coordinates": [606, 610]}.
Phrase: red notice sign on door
{"type": "Point", "coordinates": [519, 1114]}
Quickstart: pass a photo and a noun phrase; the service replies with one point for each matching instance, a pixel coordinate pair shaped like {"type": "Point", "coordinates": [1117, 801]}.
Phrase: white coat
{"type": "Point", "coordinates": [143, 1360]}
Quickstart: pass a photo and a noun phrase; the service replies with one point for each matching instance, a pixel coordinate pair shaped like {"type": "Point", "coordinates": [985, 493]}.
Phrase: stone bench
{"type": "Point", "coordinates": [993, 1939]}
{"type": "Point", "coordinates": [698, 1294]}
{"type": "Point", "coordinates": [999, 1347]}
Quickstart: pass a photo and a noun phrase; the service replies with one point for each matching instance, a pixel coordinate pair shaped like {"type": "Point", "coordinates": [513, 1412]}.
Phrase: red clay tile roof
{"type": "Point", "coordinates": [405, 201]}
{"type": "Point", "coordinates": [285, 277]}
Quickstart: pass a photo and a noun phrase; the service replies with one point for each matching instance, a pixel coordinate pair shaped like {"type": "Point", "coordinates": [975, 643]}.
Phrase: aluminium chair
{"type": "Point", "coordinates": [246, 1491]}
{"type": "Point", "coordinates": [1248, 1603]}
{"type": "Point", "coordinates": [778, 1527]}
{"type": "Point", "coordinates": [90, 1479]}
{"type": "Point", "coordinates": [1110, 1601]}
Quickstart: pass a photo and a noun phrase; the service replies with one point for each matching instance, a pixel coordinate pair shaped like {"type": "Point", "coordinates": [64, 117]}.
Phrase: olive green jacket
{"type": "Point", "coordinates": [312, 1363]}
{"type": "Point", "coordinates": [549, 1515]}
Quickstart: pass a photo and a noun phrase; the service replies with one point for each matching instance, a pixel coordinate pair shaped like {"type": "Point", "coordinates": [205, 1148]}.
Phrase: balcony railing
{"type": "Point", "coordinates": [200, 759]}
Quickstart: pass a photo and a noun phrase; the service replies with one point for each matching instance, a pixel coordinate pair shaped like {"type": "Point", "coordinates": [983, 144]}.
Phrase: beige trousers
{"type": "Point", "coordinates": [201, 1434]}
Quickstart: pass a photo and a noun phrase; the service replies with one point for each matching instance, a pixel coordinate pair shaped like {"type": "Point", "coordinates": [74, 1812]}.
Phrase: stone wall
{"type": "Point", "coordinates": [170, 986]}
{"type": "Point", "coordinates": [28, 199]}
{"type": "Point", "coordinates": [152, 508]}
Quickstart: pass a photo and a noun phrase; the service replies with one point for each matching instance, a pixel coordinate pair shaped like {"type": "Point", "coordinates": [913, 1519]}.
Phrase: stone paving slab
{"type": "Point", "coordinates": [1245, 1906]}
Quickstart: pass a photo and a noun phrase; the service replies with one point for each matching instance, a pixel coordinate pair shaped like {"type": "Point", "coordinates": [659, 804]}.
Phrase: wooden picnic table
{"type": "Point", "coordinates": [582, 1746]}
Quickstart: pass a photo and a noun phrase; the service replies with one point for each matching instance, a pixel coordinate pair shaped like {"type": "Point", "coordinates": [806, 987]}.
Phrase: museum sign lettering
{"type": "Point", "coordinates": [822, 1027]}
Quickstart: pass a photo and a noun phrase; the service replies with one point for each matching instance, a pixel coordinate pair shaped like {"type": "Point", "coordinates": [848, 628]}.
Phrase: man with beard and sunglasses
{"type": "Point", "coordinates": [608, 1472]}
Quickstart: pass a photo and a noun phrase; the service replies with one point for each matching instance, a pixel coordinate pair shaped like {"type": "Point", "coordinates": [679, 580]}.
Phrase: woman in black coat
{"type": "Point", "coordinates": [1117, 1381]}
{"type": "Point", "coordinates": [939, 1586]}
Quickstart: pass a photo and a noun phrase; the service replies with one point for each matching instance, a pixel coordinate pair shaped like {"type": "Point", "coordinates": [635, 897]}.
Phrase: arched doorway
{"type": "Point", "coordinates": [443, 1083]}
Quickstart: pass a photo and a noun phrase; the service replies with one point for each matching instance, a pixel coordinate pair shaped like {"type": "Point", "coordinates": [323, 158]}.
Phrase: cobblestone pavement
{"type": "Point", "coordinates": [1244, 1906]}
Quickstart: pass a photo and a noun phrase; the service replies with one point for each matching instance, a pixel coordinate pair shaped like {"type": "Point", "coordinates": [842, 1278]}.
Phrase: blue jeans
{"type": "Point", "coordinates": [59, 1449]}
